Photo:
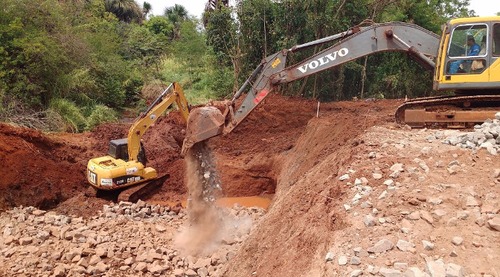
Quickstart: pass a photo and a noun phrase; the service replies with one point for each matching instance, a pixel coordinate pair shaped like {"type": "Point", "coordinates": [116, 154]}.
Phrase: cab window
{"type": "Point", "coordinates": [496, 39]}
{"type": "Point", "coordinates": [468, 40]}
{"type": "Point", "coordinates": [467, 49]}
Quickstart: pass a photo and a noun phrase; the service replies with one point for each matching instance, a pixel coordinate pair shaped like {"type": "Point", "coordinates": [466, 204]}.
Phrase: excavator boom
{"type": "Point", "coordinates": [173, 93]}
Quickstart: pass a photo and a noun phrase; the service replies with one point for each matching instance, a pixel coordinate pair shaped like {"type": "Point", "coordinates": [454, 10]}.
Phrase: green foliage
{"type": "Point", "coordinates": [100, 114]}
{"type": "Point", "coordinates": [221, 34]}
{"type": "Point", "coordinates": [160, 25]}
{"type": "Point", "coordinates": [70, 113]}
{"type": "Point", "coordinates": [125, 10]}
{"type": "Point", "coordinates": [133, 86]}
{"type": "Point", "coordinates": [75, 119]}
{"type": "Point", "coordinates": [142, 45]}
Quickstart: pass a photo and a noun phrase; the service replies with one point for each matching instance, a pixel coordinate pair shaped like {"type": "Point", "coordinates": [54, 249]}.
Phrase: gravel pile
{"type": "Point", "coordinates": [125, 239]}
{"type": "Point", "coordinates": [485, 136]}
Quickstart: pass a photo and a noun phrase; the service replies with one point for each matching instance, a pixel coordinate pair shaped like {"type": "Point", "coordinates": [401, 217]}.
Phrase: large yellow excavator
{"type": "Point", "coordinates": [125, 164]}
{"type": "Point", "coordinates": [474, 76]}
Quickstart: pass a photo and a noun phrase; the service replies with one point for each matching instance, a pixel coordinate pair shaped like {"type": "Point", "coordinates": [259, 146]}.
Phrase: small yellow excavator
{"type": "Point", "coordinates": [125, 164]}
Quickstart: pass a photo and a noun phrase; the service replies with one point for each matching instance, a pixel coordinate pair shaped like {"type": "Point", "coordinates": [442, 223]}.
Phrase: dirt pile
{"type": "Point", "coordinates": [44, 170]}
{"type": "Point", "coordinates": [38, 169]}
{"type": "Point", "coordinates": [305, 210]}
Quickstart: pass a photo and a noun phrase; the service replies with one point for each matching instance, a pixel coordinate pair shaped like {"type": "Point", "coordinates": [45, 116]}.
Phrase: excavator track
{"type": "Point", "coordinates": [448, 111]}
{"type": "Point", "coordinates": [134, 193]}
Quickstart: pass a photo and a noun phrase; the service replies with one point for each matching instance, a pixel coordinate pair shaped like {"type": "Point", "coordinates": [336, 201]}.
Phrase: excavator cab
{"type": "Point", "coordinates": [468, 49]}
{"type": "Point", "coordinates": [118, 149]}
{"type": "Point", "coordinates": [469, 55]}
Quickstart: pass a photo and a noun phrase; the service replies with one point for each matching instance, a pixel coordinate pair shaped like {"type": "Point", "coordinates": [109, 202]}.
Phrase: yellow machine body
{"type": "Point", "coordinates": [125, 166]}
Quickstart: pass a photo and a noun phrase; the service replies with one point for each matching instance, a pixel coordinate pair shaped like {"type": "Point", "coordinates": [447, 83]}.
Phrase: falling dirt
{"type": "Point", "coordinates": [203, 190]}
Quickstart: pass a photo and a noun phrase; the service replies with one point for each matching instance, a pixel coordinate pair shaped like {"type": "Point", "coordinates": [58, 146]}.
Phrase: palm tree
{"type": "Point", "coordinates": [146, 9]}
{"type": "Point", "coordinates": [125, 10]}
{"type": "Point", "coordinates": [176, 14]}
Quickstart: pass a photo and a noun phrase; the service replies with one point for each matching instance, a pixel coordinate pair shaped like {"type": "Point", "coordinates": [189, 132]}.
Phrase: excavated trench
{"type": "Point", "coordinates": [48, 170]}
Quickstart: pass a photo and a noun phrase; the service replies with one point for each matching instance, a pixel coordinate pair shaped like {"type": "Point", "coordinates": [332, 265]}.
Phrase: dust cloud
{"type": "Point", "coordinates": [203, 233]}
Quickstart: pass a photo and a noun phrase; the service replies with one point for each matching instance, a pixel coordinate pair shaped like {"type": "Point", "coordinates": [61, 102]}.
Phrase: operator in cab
{"type": "Point", "coordinates": [474, 49]}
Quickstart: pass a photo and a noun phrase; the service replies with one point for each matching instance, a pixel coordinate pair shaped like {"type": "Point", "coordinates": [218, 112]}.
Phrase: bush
{"type": "Point", "coordinates": [70, 113]}
{"type": "Point", "coordinates": [100, 114]}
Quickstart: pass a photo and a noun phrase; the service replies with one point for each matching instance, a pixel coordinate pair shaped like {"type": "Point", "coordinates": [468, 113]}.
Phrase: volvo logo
{"type": "Point", "coordinates": [323, 60]}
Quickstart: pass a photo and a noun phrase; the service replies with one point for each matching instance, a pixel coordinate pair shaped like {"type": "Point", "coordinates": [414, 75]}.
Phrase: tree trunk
{"type": "Point", "coordinates": [363, 78]}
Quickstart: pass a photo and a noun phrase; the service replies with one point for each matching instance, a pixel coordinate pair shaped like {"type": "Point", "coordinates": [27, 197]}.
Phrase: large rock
{"type": "Point", "coordinates": [388, 272]}
{"type": "Point", "coordinates": [494, 223]}
{"type": "Point", "coordinates": [404, 245]}
{"type": "Point", "coordinates": [369, 220]}
{"type": "Point", "coordinates": [157, 268]}
{"type": "Point", "coordinates": [356, 273]}
{"type": "Point", "coordinates": [141, 267]}
{"type": "Point", "coordinates": [381, 246]}
{"type": "Point", "coordinates": [457, 240]}
{"type": "Point", "coordinates": [414, 272]}
{"type": "Point", "coordinates": [428, 245]}
{"type": "Point", "coordinates": [342, 260]}
{"type": "Point", "coordinates": [435, 268]}
{"type": "Point", "coordinates": [453, 270]}
{"type": "Point", "coordinates": [59, 271]}
{"type": "Point", "coordinates": [191, 273]}
{"type": "Point", "coordinates": [425, 215]}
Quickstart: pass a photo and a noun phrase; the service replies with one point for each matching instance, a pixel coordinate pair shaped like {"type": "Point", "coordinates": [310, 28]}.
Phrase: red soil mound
{"type": "Point", "coordinates": [303, 212]}
{"type": "Point", "coordinates": [37, 169]}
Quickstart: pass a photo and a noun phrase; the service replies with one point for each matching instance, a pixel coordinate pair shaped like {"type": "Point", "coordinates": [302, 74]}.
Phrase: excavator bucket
{"type": "Point", "coordinates": [203, 123]}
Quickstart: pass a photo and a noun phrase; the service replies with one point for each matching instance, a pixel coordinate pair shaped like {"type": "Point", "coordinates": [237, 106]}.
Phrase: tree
{"type": "Point", "coordinates": [223, 37]}
{"type": "Point", "coordinates": [146, 9]}
{"type": "Point", "coordinates": [160, 25]}
{"type": "Point", "coordinates": [125, 10]}
{"type": "Point", "coordinates": [176, 14]}
{"type": "Point", "coordinates": [211, 6]}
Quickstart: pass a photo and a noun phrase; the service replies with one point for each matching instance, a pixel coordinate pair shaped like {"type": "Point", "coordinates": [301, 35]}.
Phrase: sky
{"type": "Point", "coordinates": [196, 7]}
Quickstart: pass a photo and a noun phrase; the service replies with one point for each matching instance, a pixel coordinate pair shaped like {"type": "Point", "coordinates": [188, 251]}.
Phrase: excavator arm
{"type": "Point", "coordinates": [207, 122]}
{"type": "Point", "coordinates": [173, 93]}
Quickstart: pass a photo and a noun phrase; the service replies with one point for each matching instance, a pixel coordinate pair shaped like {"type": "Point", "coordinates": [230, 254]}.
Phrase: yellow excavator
{"type": "Point", "coordinates": [474, 76]}
{"type": "Point", "coordinates": [124, 167]}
